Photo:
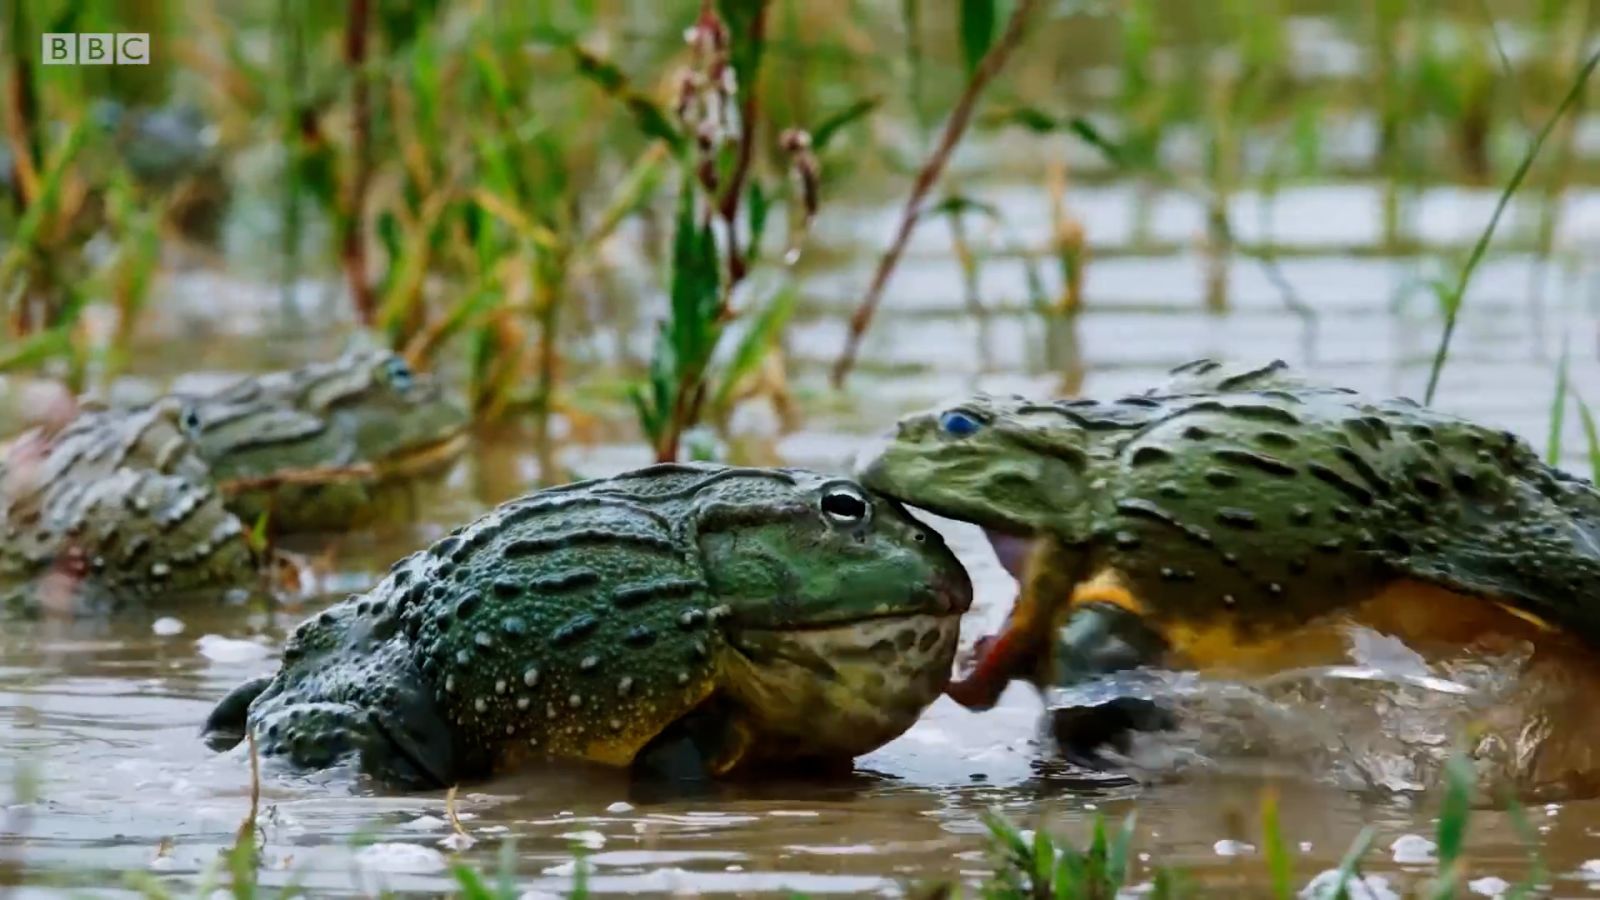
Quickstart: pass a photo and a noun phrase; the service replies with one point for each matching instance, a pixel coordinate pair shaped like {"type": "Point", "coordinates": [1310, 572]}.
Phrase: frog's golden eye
{"type": "Point", "coordinates": [845, 505]}
{"type": "Point", "coordinates": [398, 374]}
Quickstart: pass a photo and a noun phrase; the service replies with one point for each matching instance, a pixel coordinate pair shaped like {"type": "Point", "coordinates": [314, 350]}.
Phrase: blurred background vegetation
{"type": "Point", "coordinates": [622, 219]}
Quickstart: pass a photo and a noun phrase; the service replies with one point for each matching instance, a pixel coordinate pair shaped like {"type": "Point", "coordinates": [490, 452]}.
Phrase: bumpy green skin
{"type": "Point", "coordinates": [1259, 500]}
{"type": "Point", "coordinates": [580, 622]}
{"type": "Point", "coordinates": [327, 446]}
{"type": "Point", "coordinates": [154, 502]}
{"type": "Point", "coordinates": [113, 506]}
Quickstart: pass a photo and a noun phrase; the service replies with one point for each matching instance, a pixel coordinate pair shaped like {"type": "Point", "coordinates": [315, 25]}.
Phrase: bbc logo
{"type": "Point", "coordinates": [70, 49]}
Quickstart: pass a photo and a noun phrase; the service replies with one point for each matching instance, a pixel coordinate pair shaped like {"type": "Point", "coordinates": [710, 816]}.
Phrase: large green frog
{"type": "Point", "coordinates": [1206, 523]}
{"type": "Point", "coordinates": [756, 616]}
{"type": "Point", "coordinates": [327, 446]}
{"type": "Point", "coordinates": [129, 504]}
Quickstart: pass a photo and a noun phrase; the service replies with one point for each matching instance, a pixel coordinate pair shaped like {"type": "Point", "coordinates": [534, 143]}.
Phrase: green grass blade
{"type": "Point", "coordinates": [1558, 408]}
{"type": "Point", "coordinates": [1454, 813]}
{"type": "Point", "coordinates": [1591, 435]}
{"type": "Point", "coordinates": [1482, 246]}
{"type": "Point", "coordinates": [1351, 862]}
{"type": "Point", "coordinates": [471, 883]}
{"type": "Point", "coordinates": [1280, 865]}
{"type": "Point", "coordinates": [1119, 852]}
{"type": "Point", "coordinates": [1528, 885]}
{"type": "Point", "coordinates": [977, 31]}
{"type": "Point", "coordinates": [829, 127]}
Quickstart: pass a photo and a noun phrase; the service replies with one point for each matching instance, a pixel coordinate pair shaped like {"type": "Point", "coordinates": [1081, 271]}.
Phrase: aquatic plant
{"type": "Point", "coordinates": [1451, 297]}
{"type": "Point", "coordinates": [985, 56]}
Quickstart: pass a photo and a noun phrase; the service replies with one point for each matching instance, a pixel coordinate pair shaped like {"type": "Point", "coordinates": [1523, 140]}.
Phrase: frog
{"type": "Point", "coordinates": [163, 500]}
{"type": "Point", "coordinates": [114, 505]}
{"type": "Point", "coordinates": [327, 446]}
{"type": "Point", "coordinates": [736, 619]}
{"type": "Point", "coordinates": [1208, 523]}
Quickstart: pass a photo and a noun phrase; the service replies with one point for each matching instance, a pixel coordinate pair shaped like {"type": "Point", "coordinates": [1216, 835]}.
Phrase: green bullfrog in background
{"type": "Point", "coordinates": [1212, 522]}
{"type": "Point", "coordinates": [158, 501]}
{"type": "Point", "coordinates": [328, 446]}
{"type": "Point", "coordinates": [694, 619]}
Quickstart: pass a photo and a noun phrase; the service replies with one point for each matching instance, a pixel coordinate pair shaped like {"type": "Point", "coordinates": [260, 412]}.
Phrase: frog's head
{"type": "Point", "coordinates": [1008, 465]}
{"type": "Point", "coordinates": [396, 417]}
{"type": "Point", "coordinates": [840, 612]}
{"type": "Point", "coordinates": [367, 415]}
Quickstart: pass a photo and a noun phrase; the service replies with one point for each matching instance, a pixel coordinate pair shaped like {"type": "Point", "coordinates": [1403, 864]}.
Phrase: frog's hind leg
{"type": "Point", "coordinates": [319, 734]}
{"type": "Point", "coordinates": [1105, 631]}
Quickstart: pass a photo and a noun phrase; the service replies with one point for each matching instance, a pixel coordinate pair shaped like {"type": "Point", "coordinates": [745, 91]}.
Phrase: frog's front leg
{"type": "Point", "coordinates": [1070, 622]}
{"type": "Point", "coordinates": [1023, 643]}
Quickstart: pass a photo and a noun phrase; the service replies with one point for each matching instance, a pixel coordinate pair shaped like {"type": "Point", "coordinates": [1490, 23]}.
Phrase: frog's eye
{"type": "Point", "coordinates": [398, 373]}
{"type": "Point", "coordinates": [189, 419]}
{"type": "Point", "coordinates": [959, 424]}
{"type": "Point", "coordinates": [845, 505]}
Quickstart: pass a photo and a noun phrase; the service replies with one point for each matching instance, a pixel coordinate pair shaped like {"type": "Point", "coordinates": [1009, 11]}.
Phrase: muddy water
{"type": "Point", "coordinates": [98, 721]}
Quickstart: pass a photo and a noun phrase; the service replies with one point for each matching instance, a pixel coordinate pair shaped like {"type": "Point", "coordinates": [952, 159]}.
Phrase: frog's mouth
{"type": "Point", "coordinates": [424, 457]}
{"type": "Point", "coordinates": [1011, 550]}
{"type": "Point", "coordinates": [1016, 648]}
{"type": "Point", "coordinates": [413, 461]}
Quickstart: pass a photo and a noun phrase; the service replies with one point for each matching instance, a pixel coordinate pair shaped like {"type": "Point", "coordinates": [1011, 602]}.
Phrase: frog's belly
{"type": "Point", "coordinates": [1432, 620]}
{"type": "Point", "coordinates": [1536, 735]}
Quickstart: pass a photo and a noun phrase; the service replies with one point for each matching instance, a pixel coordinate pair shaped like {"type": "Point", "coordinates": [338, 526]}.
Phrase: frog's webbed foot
{"type": "Point", "coordinates": [1099, 639]}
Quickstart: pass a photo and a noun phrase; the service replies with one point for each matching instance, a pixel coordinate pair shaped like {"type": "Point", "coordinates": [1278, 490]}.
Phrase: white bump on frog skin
{"type": "Point", "coordinates": [530, 677]}
{"type": "Point", "coordinates": [575, 701]}
{"type": "Point", "coordinates": [625, 685]}
{"type": "Point", "coordinates": [480, 704]}
{"type": "Point", "coordinates": [500, 686]}
{"type": "Point", "coordinates": [522, 702]}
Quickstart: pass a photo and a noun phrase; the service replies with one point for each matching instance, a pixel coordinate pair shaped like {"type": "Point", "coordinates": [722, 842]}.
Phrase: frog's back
{"type": "Point", "coordinates": [1277, 498]}
{"type": "Point", "coordinates": [571, 623]}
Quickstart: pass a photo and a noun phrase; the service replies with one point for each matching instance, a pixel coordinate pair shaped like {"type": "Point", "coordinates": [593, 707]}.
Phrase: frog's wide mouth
{"type": "Point", "coordinates": [425, 456]}
{"type": "Point", "coordinates": [838, 624]}
{"type": "Point", "coordinates": [411, 461]}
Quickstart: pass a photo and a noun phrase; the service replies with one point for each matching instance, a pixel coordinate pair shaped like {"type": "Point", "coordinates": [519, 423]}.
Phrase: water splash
{"type": "Point", "coordinates": [1386, 719]}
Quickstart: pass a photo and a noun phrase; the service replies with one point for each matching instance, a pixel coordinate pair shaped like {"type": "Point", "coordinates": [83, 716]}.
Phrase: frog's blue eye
{"type": "Point", "coordinates": [190, 420]}
{"type": "Point", "coordinates": [398, 373]}
{"type": "Point", "coordinates": [958, 424]}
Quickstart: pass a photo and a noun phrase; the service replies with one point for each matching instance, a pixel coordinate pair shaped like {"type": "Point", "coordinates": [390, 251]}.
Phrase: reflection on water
{"type": "Point", "coordinates": [105, 715]}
